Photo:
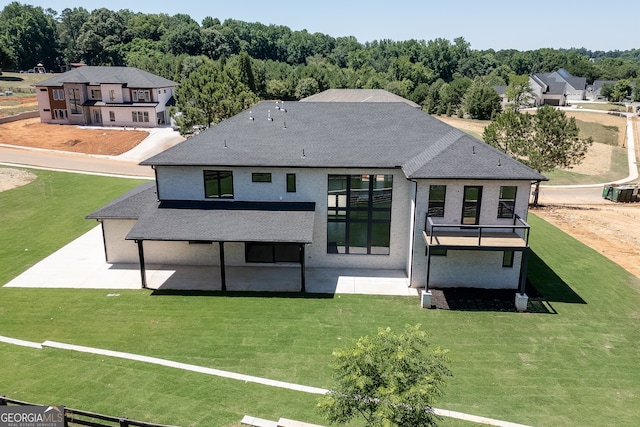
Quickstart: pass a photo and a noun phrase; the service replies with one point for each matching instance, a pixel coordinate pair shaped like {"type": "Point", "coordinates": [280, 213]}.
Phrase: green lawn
{"type": "Point", "coordinates": [599, 106]}
{"type": "Point", "coordinates": [576, 365]}
{"type": "Point", "coordinates": [41, 217]}
{"type": "Point", "coordinates": [21, 83]}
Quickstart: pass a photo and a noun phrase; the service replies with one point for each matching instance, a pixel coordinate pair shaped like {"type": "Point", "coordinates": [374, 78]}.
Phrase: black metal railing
{"type": "Point", "coordinates": [519, 227]}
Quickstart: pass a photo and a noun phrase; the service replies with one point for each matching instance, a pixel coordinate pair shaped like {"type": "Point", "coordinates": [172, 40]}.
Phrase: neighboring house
{"type": "Point", "coordinates": [109, 96]}
{"type": "Point", "coordinates": [594, 90]}
{"type": "Point", "coordinates": [557, 88]}
{"type": "Point", "coordinates": [361, 185]}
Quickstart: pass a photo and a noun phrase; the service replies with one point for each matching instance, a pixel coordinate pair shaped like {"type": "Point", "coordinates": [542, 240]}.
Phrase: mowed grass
{"type": "Point", "coordinates": [21, 83]}
{"type": "Point", "coordinates": [43, 216]}
{"type": "Point", "coordinates": [576, 365]}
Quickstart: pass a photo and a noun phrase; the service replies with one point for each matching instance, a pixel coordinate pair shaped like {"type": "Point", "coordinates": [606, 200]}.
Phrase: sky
{"type": "Point", "coordinates": [485, 24]}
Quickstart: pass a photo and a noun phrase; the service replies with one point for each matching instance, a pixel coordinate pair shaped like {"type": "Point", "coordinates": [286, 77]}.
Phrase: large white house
{"type": "Point", "coordinates": [108, 96]}
{"type": "Point", "coordinates": [363, 186]}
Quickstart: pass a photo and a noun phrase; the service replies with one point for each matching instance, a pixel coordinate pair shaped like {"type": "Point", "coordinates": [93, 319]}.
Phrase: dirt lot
{"type": "Point", "coordinates": [32, 133]}
{"type": "Point", "coordinates": [610, 228]}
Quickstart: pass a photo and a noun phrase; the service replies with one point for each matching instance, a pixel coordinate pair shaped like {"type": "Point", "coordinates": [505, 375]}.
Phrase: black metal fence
{"type": "Point", "coordinates": [75, 417]}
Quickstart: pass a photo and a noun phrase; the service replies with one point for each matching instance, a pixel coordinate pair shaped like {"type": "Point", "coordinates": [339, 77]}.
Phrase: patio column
{"type": "Point", "coordinates": [303, 287]}
{"type": "Point", "coordinates": [524, 263]}
{"type": "Point", "coordinates": [223, 275]}
{"type": "Point", "coordinates": [426, 286]}
{"type": "Point", "coordinates": [143, 273]}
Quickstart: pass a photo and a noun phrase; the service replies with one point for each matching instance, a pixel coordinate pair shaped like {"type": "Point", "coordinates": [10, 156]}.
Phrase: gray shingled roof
{"type": "Point", "coordinates": [349, 135]}
{"type": "Point", "coordinates": [132, 77]}
{"type": "Point", "coordinates": [130, 205]}
{"type": "Point", "coordinates": [357, 95]}
{"type": "Point", "coordinates": [223, 225]}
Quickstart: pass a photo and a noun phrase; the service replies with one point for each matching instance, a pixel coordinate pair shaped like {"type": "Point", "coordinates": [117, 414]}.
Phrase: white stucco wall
{"type": "Point", "coordinates": [466, 268]}
{"type": "Point", "coordinates": [187, 183]}
{"type": "Point", "coordinates": [42, 96]}
{"type": "Point", "coordinates": [119, 250]}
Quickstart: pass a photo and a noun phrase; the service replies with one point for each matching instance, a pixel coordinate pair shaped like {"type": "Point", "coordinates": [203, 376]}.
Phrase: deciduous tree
{"type": "Point", "coordinates": [389, 379]}
{"type": "Point", "coordinates": [519, 92]}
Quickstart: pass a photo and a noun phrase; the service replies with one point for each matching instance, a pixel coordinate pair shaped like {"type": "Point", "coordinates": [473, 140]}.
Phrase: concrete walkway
{"type": "Point", "coordinates": [230, 375]}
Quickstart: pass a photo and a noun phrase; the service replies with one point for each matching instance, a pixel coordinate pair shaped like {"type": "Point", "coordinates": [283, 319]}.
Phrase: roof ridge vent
{"type": "Point", "coordinates": [269, 118]}
{"type": "Point", "coordinates": [250, 115]}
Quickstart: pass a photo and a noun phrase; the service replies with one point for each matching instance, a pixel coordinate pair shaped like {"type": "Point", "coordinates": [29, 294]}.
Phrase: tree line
{"type": "Point", "coordinates": [274, 62]}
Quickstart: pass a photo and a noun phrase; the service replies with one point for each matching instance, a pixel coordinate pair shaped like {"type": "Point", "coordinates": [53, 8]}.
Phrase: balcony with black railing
{"type": "Point", "coordinates": [477, 237]}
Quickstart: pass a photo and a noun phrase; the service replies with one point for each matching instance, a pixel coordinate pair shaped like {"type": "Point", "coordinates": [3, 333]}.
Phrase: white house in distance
{"type": "Point", "coordinates": [106, 96]}
{"type": "Point", "coordinates": [357, 185]}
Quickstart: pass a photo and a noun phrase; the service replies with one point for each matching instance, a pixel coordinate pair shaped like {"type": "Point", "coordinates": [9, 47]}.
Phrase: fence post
{"type": "Point", "coordinates": [3, 402]}
{"type": "Point", "coordinates": [123, 422]}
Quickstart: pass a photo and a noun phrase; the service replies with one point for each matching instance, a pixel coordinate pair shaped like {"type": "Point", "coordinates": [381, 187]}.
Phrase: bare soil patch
{"type": "Point", "coordinates": [32, 133]}
{"type": "Point", "coordinates": [611, 229]}
{"type": "Point", "coordinates": [12, 178]}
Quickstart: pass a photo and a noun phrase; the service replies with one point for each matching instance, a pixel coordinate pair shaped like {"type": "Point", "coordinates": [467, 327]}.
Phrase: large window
{"type": "Point", "coordinates": [140, 116]}
{"type": "Point", "coordinates": [359, 214]}
{"type": "Point", "coordinates": [437, 195]}
{"type": "Point", "coordinates": [218, 184]}
{"type": "Point", "coordinates": [507, 202]}
{"type": "Point", "coordinates": [271, 252]}
{"type": "Point", "coordinates": [74, 101]}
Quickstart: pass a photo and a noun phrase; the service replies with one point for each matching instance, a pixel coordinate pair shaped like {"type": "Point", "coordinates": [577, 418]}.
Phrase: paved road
{"type": "Point", "coordinates": [10, 156]}
{"type": "Point", "coordinates": [159, 139]}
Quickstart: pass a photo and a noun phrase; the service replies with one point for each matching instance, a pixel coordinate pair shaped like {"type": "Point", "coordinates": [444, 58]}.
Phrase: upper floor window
{"type": "Point", "coordinates": [507, 201]}
{"type": "Point", "coordinates": [112, 95]}
{"type": "Point", "coordinates": [74, 101]}
{"type": "Point", "coordinates": [359, 214]}
{"type": "Point", "coordinates": [261, 177]}
{"type": "Point", "coordinates": [141, 95]}
{"type": "Point", "coordinates": [291, 183]}
{"type": "Point", "coordinates": [218, 184]}
{"type": "Point", "coordinates": [437, 195]}
{"type": "Point", "coordinates": [96, 94]}
{"type": "Point", "coordinates": [58, 94]}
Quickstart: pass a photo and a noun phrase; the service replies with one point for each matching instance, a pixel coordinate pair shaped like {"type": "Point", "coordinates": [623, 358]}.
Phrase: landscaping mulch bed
{"type": "Point", "coordinates": [471, 299]}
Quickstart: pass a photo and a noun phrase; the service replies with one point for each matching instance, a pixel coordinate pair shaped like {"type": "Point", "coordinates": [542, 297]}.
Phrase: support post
{"type": "Point", "coordinates": [524, 263]}
{"type": "Point", "coordinates": [223, 275]}
{"type": "Point", "coordinates": [426, 286]}
{"type": "Point", "coordinates": [303, 280]}
{"type": "Point", "coordinates": [143, 272]}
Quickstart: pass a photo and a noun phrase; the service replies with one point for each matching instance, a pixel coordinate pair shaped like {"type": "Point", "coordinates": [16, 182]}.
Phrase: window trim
{"type": "Point", "coordinates": [272, 246]}
{"type": "Point", "coordinates": [507, 259]}
{"type": "Point", "coordinates": [501, 200]}
{"type": "Point", "coordinates": [291, 183]}
{"type": "Point", "coordinates": [215, 176]}
{"type": "Point", "coordinates": [443, 202]}
{"type": "Point", "coordinates": [356, 211]}
{"type": "Point", "coordinates": [261, 177]}
{"type": "Point", "coordinates": [58, 94]}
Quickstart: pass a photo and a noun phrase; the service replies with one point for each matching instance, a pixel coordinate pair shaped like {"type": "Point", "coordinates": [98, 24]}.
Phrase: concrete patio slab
{"type": "Point", "coordinates": [81, 265]}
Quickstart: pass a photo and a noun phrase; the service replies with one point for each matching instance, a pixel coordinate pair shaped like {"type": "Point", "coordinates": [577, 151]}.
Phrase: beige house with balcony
{"type": "Point", "coordinates": [106, 96]}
